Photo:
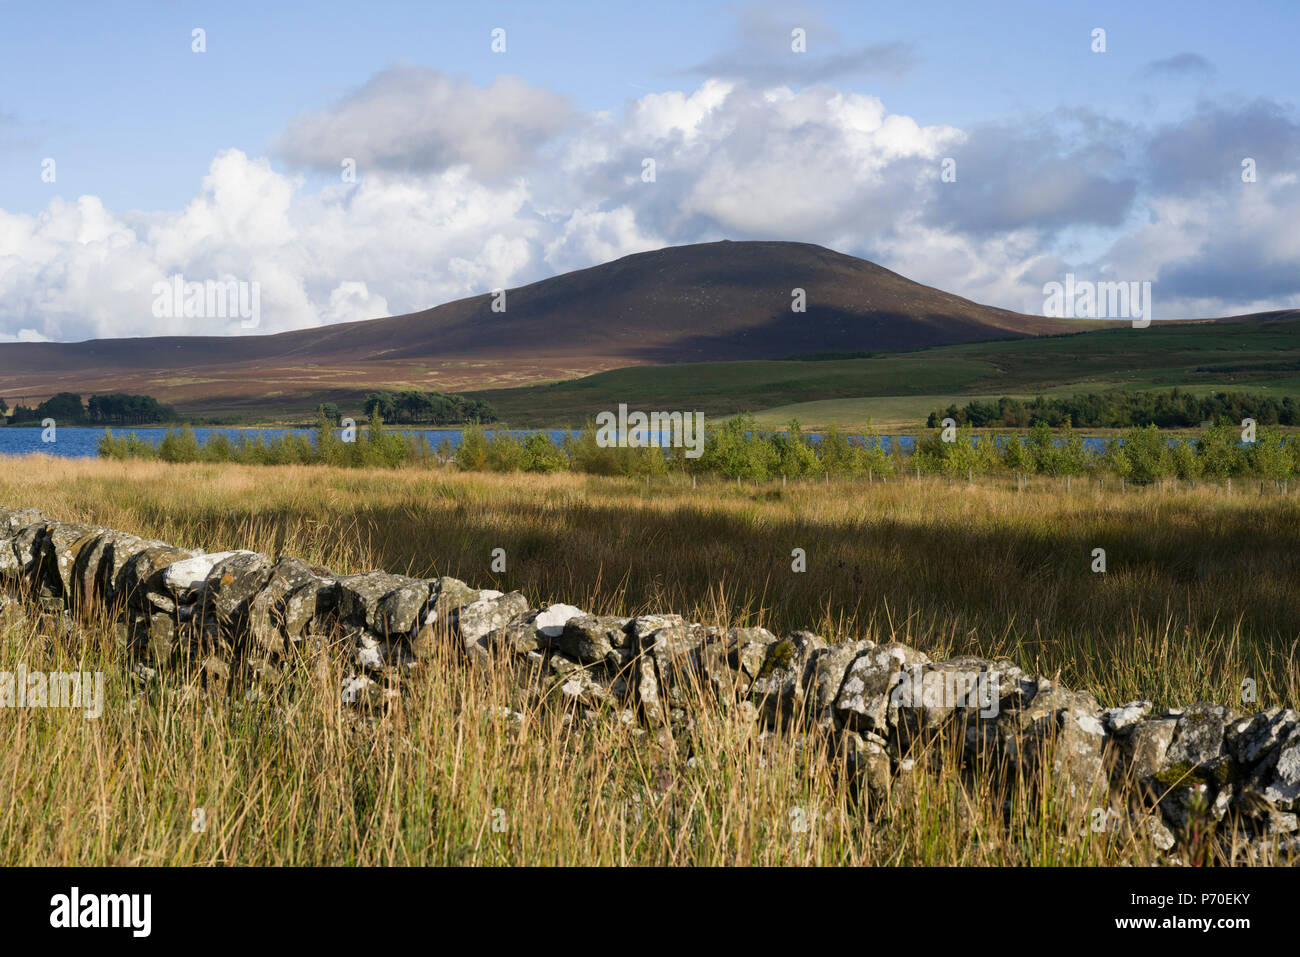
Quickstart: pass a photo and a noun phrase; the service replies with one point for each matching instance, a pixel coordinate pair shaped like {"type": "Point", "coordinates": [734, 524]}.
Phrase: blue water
{"type": "Point", "coordinates": [82, 442]}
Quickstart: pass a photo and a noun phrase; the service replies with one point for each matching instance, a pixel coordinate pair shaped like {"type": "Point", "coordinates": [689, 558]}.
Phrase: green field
{"type": "Point", "coordinates": [898, 390]}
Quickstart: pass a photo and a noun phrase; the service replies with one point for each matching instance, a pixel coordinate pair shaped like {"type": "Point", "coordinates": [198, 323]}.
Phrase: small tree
{"type": "Point", "coordinates": [874, 458]}
{"type": "Point", "coordinates": [1043, 451]}
{"type": "Point", "coordinates": [1218, 451]}
{"type": "Point", "coordinates": [385, 448]}
{"type": "Point", "coordinates": [1269, 457]}
{"type": "Point", "coordinates": [736, 450]}
{"type": "Point", "coordinates": [1184, 460]}
{"type": "Point", "coordinates": [180, 445]}
{"type": "Point", "coordinates": [795, 454]}
{"type": "Point", "coordinates": [217, 448]}
{"type": "Point", "coordinates": [505, 453]}
{"type": "Point", "coordinates": [1015, 456]}
{"type": "Point", "coordinates": [329, 447]}
{"type": "Point", "coordinates": [1115, 459]}
{"type": "Point", "coordinates": [472, 455]}
{"type": "Point", "coordinates": [541, 454]}
{"type": "Point", "coordinates": [1074, 452]}
{"type": "Point", "coordinates": [1148, 454]}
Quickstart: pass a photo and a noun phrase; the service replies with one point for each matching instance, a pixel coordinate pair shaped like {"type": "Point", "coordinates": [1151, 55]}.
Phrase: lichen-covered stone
{"type": "Point", "coordinates": [1050, 700]}
{"type": "Point", "coordinates": [160, 641]}
{"type": "Point", "coordinates": [592, 638]}
{"type": "Point", "coordinates": [446, 596]}
{"type": "Point", "coordinates": [478, 620]}
{"type": "Point", "coordinates": [830, 665]}
{"type": "Point", "coordinates": [137, 575]}
{"type": "Point", "coordinates": [868, 760]}
{"type": "Point", "coordinates": [580, 687]}
{"type": "Point", "coordinates": [646, 685]}
{"type": "Point", "coordinates": [268, 627]}
{"type": "Point", "coordinates": [643, 626]}
{"type": "Point", "coordinates": [550, 621]}
{"type": "Point", "coordinates": [14, 520]}
{"type": "Point", "coordinates": [1283, 789]}
{"type": "Point", "coordinates": [1198, 736]}
{"type": "Point", "coordinates": [60, 547]}
{"type": "Point", "coordinates": [97, 565]}
{"type": "Point", "coordinates": [26, 547]}
{"type": "Point", "coordinates": [117, 550]}
{"type": "Point", "coordinates": [1147, 744]}
{"type": "Point", "coordinates": [361, 596]}
{"type": "Point", "coordinates": [401, 610]}
{"type": "Point", "coordinates": [187, 576]}
{"type": "Point", "coordinates": [673, 647]}
{"type": "Point", "coordinates": [231, 585]}
{"type": "Point", "coordinates": [747, 650]}
{"type": "Point", "coordinates": [863, 700]}
{"type": "Point", "coordinates": [1162, 839]}
{"type": "Point", "coordinates": [1122, 719]}
{"type": "Point", "coordinates": [932, 695]}
{"type": "Point", "coordinates": [678, 650]}
{"type": "Point", "coordinates": [1077, 754]}
{"type": "Point", "coordinates": [1251, 739]}
{"type": "Point", "coordinates": [729, 664]}
{"type": "Point", "coordinates": [780, 690]}
{"type": "Point", "coordinates": [535, 630]}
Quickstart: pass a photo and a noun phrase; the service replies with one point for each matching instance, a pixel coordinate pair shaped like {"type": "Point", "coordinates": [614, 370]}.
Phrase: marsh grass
{"type": "Point", "coordinates": [1198, 595]}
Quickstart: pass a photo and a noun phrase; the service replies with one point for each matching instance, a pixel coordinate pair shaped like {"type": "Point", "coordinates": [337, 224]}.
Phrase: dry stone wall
{"type": "Point", "coordinates": [241, 613]}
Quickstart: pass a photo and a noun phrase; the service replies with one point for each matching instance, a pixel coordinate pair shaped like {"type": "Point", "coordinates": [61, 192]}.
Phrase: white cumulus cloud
{"type": "Point", "coordinates": [462, 189]}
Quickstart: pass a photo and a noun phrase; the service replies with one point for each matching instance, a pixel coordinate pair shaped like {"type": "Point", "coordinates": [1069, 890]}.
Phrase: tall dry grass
{"type": "Point", "coordinates": [1199, 591]}
{"type": "Point", "coordinates": [1199, 594]}
{"type": "Point", "coordinates": [459, 772]}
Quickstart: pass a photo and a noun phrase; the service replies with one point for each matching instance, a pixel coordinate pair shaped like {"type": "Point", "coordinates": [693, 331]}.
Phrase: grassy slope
{"type": "Point", "coordinates": [1158, 357]}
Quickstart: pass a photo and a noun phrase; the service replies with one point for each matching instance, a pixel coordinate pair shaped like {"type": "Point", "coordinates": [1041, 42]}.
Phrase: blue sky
{"type": "Point", "coordinates": [1120, 164]}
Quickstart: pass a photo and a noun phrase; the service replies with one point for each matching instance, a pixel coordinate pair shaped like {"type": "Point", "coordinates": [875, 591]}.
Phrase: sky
{"type": "Point", "coordinates": [356, 160]}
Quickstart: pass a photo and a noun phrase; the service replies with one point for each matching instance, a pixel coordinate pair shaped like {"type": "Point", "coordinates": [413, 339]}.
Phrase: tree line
{"type": "Point", "coordinates": [1120, 410]}
{"type": "Point", "coordinates": [118, 408]}
{"type": "Point", "coordinates": [413, 407]}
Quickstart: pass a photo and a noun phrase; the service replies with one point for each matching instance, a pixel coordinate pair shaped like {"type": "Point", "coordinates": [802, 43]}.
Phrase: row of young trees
{"type": "Point", "coordinates": [376, 447]}
{"type": "Point", "coordinates": [1119, 410]}
{"type": "Point", "coordinates": [737, 448]}
{"type": "Point", "coordinates": [117, 408]}
{"type": "Point", "coordinates": [1141, 455]}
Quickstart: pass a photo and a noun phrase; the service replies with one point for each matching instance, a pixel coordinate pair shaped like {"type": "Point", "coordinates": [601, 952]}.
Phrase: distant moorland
{"type": "Point", "coordinates": [710, 326]}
